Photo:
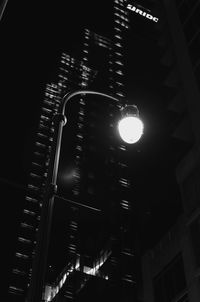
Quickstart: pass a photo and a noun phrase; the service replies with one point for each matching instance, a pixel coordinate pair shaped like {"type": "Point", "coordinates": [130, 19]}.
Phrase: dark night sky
{"type": "Point", "coordinates": [32, 36]}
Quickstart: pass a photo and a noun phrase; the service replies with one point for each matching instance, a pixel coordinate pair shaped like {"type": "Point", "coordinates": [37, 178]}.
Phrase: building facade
{"type": "Point", "coordinates": [90, 237]}
{"type": "Point", "coordinates": [171, 268]}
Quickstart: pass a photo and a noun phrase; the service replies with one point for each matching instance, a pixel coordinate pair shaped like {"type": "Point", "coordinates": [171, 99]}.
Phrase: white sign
{"type": "Point", "coordinates": [142, 13]}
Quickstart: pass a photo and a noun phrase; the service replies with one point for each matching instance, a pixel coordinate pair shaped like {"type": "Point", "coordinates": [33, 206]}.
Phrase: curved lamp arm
{"type": "Point", "coordinates": [70, 95]}
{"type": "Point", "coordinates": [61, 121]}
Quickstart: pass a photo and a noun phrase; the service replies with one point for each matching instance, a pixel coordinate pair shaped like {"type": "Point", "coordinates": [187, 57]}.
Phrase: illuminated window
{"type": "Point", "coordinates": [119, 63]}
{"type": "Point", "coordinates": [119, 84]}
{"type": "Point", "coordinates": [83, 84]}
{"type": "Point", "coordinates": [80, 136]}
{"type": "Point", "coordinates": [73, 224]}
{"type": "Point", "coordinates": [124, 182]}
{"type": "Point", "coordinates": [63, 77]}
{"type": "Point", "coordinates": [40, 145]}
{"type": "Point", "coordinates": [35, 175]}
{"type": "Point", "coordinates": [65, 70]}
{"type": "Point", "coordinates": [81, 111]}
{"type": "Point", "coordinates": [122, 147]}
{"type": "Point", "coordinates": [31, 199]}
{"type": "Point", "coordinates": [24, 240]}
{"type": "Point", "coordinates": [118, 37]}
{"type": "Point", "coordinates": [120, 3]}
{"type": "Point", "coordinates": [122, 165]}
{"type": "Point", "coordinates": [120, 10]}
{"type": "Point", "coordinates": [118, 54]}
{"type": "Point", "coordinates": [118, 44]}
{"type": "Point", "coordinates": [80, 125]}
{"type": "Point", "coordinates": [119, 72]}
{"type": "Point", "coordinates": [123, 24]}
{"type": "Point", "coordinates": [26, 226]}
{"type": "Point", "coordinates": [118, 29]}
{"type": "Point", "coordinates": [125, 204]}
{"type": "Point", "coordinates": [121, 16]}
{"type": "Point", "coordinates": [72, 247]}
{"type": "Point", "coordinates": [63, 61]}
{"type": "Point", "coordinates": [20, 255]}
{"type": "Point", "coordinates": [29, 212]}
{"type": "Point", "coordinates": [79, 148]}
{"type": "Point", "coordinates": [120, 94]}
{"type": "Point", "coordinates": [82, 102]}
{"type": "Point", "coordinates": [47, 94]}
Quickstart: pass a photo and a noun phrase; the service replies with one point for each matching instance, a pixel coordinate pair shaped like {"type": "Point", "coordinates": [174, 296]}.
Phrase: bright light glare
{"type": "Point", "coordinates": [130, 129]}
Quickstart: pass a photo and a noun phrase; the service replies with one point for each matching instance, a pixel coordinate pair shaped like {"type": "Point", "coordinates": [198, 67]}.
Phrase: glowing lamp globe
{"type": "Point", "coordinates": [130, 126]}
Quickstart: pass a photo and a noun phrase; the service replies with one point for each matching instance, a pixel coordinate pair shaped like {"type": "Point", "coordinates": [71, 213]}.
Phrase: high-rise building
{"type": "Point", "coordinates": [98, 250]}
{"type": "Point", "coordinates": [91, 218]}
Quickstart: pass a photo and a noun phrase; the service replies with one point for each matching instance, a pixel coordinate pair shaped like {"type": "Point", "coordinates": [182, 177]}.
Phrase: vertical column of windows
{"type": "Point", "coordinates": [125, 252]}
{"type": "Point", "coordinates": [86, 45]}
{"type": "Point", "coordinates": [25, 249]}
{"type": "Point", "coordinates": [126, 212]}
{"type": "Point", "coordinates": [66, 63]}
{"type": "Point", "coordinates": [116, 87]}
{"type": "Point", "coordinates": [72, 229]}
{"type": "Point", "coordinates": [44, 136]}
{"type": "Point", "coordinates": [121, 24]}
{"type": "Point", "coordinates": [79, 145]}
{"type": "Point", "coordinates": [87, 76]}
{"type": "Point", "coordinates": [127, 255]}
{"type": "Point", "coordinates": [84, 71]}
{"type": "Point", "coordinates": [73, 76]}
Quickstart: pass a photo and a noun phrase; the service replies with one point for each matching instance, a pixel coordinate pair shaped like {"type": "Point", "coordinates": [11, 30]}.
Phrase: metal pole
{"type": "Point", "coordinates": [2, 8]}
{"type": "Point", "coordinates": [41, 253]}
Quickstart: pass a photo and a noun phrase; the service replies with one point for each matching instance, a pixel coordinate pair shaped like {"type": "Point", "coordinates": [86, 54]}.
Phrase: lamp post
{"type": "Point", "coordinates": [130, 118]}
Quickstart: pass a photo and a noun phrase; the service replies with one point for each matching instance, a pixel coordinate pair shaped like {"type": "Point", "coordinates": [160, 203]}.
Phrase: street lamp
{"type": "Point", "coordinates": [130, 129]}
{"type": "Point", "coordinates": [130, 125]}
